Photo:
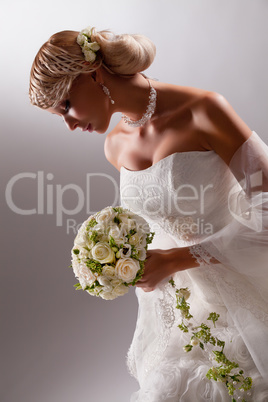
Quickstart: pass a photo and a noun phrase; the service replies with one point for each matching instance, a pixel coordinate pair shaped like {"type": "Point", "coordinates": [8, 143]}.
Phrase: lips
{"type": "Point", "coordinates": [88, 128]}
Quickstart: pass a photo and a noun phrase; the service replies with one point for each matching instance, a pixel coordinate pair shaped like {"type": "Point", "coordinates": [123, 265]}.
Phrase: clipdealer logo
{"type": "Point", "coordinates": [50, 196]}
{"type": "Point", "coordinates": [244, 199]}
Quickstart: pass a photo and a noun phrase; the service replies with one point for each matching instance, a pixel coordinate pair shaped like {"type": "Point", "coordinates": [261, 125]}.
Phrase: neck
{"type": "Point", "coordinates": [131, 94]}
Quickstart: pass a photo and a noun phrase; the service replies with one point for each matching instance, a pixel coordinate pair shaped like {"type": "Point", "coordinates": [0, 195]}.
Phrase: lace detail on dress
{"type": "Point", "coordinates": [165, 310]}
{"type": "Point", "coordinates": [201, 255]}
{"type": "Point", "coordinates": [238, 296]}
{"type": "Point", "coordinates": [131, 363]}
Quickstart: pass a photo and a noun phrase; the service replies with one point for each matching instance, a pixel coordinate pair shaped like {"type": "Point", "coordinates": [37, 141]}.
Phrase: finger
{"type": "Point", "coordinates": [147, 289]}
{"type": "Point", "coordinates": [142, 280]}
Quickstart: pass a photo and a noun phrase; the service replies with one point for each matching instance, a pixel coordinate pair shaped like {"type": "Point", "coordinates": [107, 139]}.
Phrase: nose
{"type": "Point", "coordinates": [71, 124]}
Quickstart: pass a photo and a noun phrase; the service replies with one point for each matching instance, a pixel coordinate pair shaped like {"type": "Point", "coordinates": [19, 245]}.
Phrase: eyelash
{"type": "Point", "coordinates": [67, 106]}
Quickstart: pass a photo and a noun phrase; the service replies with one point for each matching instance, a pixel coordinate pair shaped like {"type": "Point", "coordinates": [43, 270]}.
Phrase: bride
{"type": "Point", "coordinates": [199, 175]}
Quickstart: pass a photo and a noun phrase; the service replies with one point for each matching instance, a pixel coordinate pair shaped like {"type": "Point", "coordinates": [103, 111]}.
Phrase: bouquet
{"type": "Point", "coordinates": [110, 251]}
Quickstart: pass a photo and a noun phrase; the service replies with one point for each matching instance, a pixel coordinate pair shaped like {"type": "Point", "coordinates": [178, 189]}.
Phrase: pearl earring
{"type": "Point", "coordinates": [107, 92]}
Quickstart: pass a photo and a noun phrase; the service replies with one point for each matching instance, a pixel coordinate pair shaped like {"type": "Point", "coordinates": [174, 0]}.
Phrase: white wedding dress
{"type": "Point", "coordinates": [194, 198]}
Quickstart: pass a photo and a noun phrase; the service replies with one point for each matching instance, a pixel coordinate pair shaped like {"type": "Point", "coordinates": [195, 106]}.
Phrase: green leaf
{"type": "Point", "coordinates": [188, 348]}
{"type": "Point", "coordinates": [139, 274]}
{"type": "Point", "coordinates": [116, 220]}
{"type": "Point", "coordinates": [213, 317]}
{"type": "Point", "coordinates": [172, 282]}
{"type": "Point", "coordinates": [118, 209]}
{"type": "Point", "coordinates": [150, 237]}
{"type": "Point", "coordinates": [112, 242]}
{"type": "Point", "coordinates": [91, 223]}
{"type": "Point", "coordinates": [94, 236]}
{"type": "Point", "coordinates": [94, 266]}
{"type": "Point", "coordinates": [220, 343]}
{"type": "Point", "coordinates": [183, 327]}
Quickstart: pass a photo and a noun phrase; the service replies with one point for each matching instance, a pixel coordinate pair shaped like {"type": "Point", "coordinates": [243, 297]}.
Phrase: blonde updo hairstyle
{"type": "Point", "coordinates": [60, 61]}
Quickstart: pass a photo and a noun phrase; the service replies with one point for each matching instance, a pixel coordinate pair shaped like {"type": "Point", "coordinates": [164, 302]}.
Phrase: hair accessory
{"type": "Point", "coordinates": [107, 92]}
{"type": "Point", "coordinates": [88, 47]}
{"type": "Point", "coordinates": [149, 111]}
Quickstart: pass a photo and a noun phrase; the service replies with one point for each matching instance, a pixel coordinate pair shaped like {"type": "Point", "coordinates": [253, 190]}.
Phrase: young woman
{"type": "Point", "coordinates": [199, 175]}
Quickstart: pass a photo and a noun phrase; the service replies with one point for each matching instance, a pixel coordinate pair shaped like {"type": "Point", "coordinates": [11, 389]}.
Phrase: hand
{"type": "Point", "coordinates": [161, 264]}
{"type": "Point", "coordinates": [158, 266]}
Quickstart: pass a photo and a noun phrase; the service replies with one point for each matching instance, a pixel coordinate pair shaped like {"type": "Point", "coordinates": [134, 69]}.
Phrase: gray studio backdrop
{"type": "Point", "coordinates": [60, 345]}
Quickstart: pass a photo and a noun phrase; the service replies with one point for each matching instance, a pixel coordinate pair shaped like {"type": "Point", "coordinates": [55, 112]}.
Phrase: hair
{"type": "Point", "coordinates": [60, 61]}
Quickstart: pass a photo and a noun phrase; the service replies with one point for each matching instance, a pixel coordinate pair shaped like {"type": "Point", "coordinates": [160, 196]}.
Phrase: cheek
{"type": "Point", "coordinates": [80, 110]}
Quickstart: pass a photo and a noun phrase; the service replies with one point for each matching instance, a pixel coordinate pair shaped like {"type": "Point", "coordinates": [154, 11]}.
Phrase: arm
{"type": "Point", "coordinates": [162, 264]}
{"type": "Point", "coordinates": [225, 132]}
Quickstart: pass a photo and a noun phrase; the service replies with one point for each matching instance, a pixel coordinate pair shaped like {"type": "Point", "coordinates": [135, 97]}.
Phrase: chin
{"type": "Point", "coordinates": [100, 131]}
{"type": "Point", "coordinates": [103, 129]}
{"type": "Point", "coordinates": [104, 126]}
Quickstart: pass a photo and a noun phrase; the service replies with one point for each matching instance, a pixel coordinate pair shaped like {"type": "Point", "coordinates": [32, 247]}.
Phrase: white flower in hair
{"type": "Point", "coordinates": [87, 31]}
{"type": "Point", "coordinates": [88, 48]}
{"type": "Point", "coordinates": [81, 39]}
{"type": "Point", "coordinates": [94, 46]}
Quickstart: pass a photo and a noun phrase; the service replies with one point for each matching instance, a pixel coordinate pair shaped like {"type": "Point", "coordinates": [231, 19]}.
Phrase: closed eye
{"type": "Point", "coordinates": [67, 106]}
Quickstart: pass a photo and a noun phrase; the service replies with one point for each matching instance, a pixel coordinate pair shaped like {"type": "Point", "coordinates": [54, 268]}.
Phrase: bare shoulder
{"type": "Point", "coordinates": [224, 129]}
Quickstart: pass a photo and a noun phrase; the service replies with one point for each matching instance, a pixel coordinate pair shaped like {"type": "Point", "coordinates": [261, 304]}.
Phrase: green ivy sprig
{"type": "Point", "coordinates": [201, 335]}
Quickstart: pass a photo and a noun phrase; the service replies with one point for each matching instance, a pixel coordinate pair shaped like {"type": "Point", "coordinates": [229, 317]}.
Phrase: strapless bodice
{"type": "Point", "coordinates": [185, 194]}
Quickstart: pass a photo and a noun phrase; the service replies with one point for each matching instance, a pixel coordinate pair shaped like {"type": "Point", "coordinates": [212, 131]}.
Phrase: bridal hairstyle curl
{"type": "Point", "coordinates": [60, 61]}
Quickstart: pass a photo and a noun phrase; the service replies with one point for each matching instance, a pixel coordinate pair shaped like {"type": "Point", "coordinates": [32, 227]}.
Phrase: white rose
{"type": "Point", "coordinates": [116, 282]}
{"type": "Point", "coordinates": [95, 291]}
{"type": "Point", "coordinates": [105, 282]}
{"type": "Point", "coordinates": [83, 274]}
{"type": "Point", "coordinates": [123, 217]}
{"type": "Point", "coordinates": [120, 290]}
{"type": "Point", "coordinates": [104, 238]}
{"type": "Point", "coordinates": [105, 216]}
{"type": "Point", "coordinates": [126, 269]}
{"type": "Point", "coordinates": [126, 222]}
{"type": "Point", "coordinates": [108, 271]}
{"type": "Point", "coordinates": [82, 240]}
{"type": "Point", "coordinates": [107, 295]}
{"type": "Point", "coordinates": [118, 235]}
{"type": "Point", "coordinates": [80, 252]}
{"type": "Point", "coordinates": [138, 240]}
{"type": "Point", "coordinates": [103, 253]}
{"type": "Point", "coordinates": [101, 231]}
{"type": "Point", "coordinates": [144, 229]}
{"type": "Point", "coordinates": [89, 55]}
